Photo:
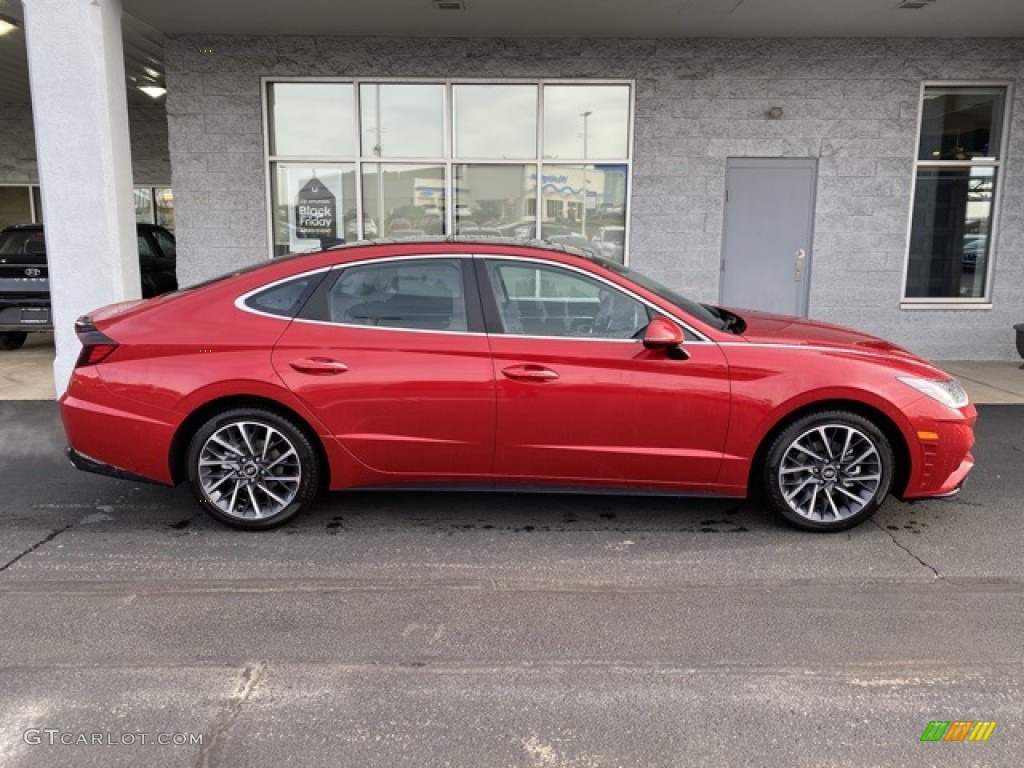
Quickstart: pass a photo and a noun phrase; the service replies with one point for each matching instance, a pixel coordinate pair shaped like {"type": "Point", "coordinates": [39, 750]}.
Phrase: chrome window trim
{"type": "Point", "coordinates": [240, 301]}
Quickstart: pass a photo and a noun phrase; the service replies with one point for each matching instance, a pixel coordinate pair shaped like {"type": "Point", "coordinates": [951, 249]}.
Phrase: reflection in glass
{"type": "Point", "coordinates": [495, 121]}
{"type": "Point", "coordinates": [144, 205]}
{"type": "Point", "coordinates": [404, 201]}
{"type": "Point", "coordinates": [311, 119]}
{"type": "Point", "coordinates": [949, 236]}
{"type": "Point", "coordinates": [585, 206]}
{"type": "Point", "coordinates": [586, 121]}
{"type": "Point", "coordinates": [493, 200]}
{"type": "Point", "coordinates": [961, 123]}
{"type": "Point", "coordinates": [164, 199]}
{"type": "Point", "coordinates": [400, 120]}
{"type": "Point", "coordinates": [308, 201]}
{"type": "Point", "coordinates": [546, 301]}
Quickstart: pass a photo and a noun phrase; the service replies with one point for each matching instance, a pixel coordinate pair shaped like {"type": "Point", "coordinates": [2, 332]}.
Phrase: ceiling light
{"type": "Point", "coordinates": [153, 91]}
{"type": "Point", "coordinates": [449, 5]}
{"type": "Point", "coordinates": [913, 5]}
{"type": "Point", "coordinates": [7, 24]}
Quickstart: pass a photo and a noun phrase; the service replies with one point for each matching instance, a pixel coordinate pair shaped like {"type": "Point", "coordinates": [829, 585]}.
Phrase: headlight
{"type": "Point", "coordinates": [948, 392]}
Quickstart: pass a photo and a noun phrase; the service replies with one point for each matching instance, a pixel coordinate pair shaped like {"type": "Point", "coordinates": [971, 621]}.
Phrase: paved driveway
{"type": "Point", "coordinates": [497, 630]}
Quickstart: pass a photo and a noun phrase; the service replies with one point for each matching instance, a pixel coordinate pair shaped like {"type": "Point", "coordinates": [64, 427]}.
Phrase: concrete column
{"type": "Point", "coordinates": [76, 71]}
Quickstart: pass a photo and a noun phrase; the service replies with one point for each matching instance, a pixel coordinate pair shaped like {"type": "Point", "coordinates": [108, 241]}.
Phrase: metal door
{"type": "Point", "coordinates": [766, 248]}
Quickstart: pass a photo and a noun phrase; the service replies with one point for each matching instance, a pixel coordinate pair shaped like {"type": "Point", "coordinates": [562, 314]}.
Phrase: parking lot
{"type": "Point", "coordinates": [389, 629]}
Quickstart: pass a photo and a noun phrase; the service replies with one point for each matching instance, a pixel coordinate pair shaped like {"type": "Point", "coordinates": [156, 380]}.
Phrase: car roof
{"type": "Point", "coordinates": [469, 239]}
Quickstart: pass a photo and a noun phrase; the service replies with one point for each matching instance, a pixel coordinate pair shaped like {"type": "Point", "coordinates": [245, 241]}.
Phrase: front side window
{"type": "Point", "coordinates": [539, 300]}
{"type": "Point", "coordinates": [959, 164]}
{"type": "Point", "coordinates": [417, 294]}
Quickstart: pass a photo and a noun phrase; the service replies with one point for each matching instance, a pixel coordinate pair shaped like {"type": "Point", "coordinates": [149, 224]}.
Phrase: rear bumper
{"type": "Point", "coordinates": [89, 464]}
{"type": "Point", "coordinates": [113, 436]}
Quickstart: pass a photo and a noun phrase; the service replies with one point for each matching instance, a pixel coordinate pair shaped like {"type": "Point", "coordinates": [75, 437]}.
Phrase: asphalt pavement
{"type": "Point", "coordinates": [480, 630]}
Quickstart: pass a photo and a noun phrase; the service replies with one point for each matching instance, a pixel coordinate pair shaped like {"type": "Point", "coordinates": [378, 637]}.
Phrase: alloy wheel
{"type": "Point", "coordinates": [831, 472]}
{"type": "Point", "coordinates": [249, 470]}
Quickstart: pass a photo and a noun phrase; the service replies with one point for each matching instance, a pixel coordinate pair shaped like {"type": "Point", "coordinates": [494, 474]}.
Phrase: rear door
{"type": "Point", "coordinates": [391, 355]}
{"type": "Point", "coordinates": [579, 396]}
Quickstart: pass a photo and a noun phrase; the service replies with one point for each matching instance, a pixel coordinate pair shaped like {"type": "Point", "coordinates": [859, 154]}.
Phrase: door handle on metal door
{"type": "Point", "coordinates": [529, 373]}
{"type": "Point", "coordinates": [801, 255]}
{"type": "Point", "coordinates": [318, 366]}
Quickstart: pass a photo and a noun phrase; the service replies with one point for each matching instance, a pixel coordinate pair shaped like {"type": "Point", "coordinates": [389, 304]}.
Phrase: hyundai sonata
{"type": "Point", "coordinates": [516, 366]}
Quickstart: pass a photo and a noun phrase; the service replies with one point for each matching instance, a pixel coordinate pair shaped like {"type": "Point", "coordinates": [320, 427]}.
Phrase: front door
{"type": "Point", "coordinates": [766, 250]}
{"type": "Point", "coordinates": [579, 396]}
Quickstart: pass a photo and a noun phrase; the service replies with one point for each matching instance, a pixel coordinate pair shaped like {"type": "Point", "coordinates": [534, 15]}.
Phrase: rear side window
{"type": "Point", "coordinates": [416, 294]}
{"type": "Point", "coordinates": [285, 299]}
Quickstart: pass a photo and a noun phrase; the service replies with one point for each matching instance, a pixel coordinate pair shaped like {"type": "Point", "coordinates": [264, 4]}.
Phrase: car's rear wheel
{"type": "Point", "coordinates": [252, 469]}
{"type": "Point", "coordinates": [828, 471]}
{"type": "Point", "coordinates": [10, 340]}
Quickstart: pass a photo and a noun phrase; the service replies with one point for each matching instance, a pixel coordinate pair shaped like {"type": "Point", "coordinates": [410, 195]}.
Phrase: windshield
{"type": "Point", "coordinates": [707, 315]}
{"type": "Point", "coordinates": [22, 242]}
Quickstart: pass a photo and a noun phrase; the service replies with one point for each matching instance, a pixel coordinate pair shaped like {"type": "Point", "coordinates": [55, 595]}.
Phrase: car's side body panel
{"type": "Point", "coordinates": [616, 413]}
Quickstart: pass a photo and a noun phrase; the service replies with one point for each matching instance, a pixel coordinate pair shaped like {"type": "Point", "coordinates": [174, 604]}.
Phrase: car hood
{"type": "Point", "coordinates": [766, 328]}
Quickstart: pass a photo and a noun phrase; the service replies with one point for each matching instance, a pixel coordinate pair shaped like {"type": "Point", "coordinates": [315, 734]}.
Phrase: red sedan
{"type": "Point", "coordinates": [514, 366]}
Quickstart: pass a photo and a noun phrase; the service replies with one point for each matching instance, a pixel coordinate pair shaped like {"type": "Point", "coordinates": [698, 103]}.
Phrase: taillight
{"type": "Point", "coordinates": [96, 346]}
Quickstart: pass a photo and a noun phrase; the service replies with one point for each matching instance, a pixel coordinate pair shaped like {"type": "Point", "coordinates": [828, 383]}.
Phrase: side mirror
{"type": "Point", "coordinates": [662, 333]}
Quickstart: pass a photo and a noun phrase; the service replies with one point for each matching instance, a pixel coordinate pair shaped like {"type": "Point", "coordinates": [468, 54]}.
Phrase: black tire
{"type": "Point", "coordinates": [11, 340]}
{"type": "Point", "coordinates": [828, 471]}
{"type": "Point", "coordinates": [248, 485]}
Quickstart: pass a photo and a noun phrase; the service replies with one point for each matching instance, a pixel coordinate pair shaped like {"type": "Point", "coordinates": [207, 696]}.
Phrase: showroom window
{"type": "Point", "coordinates": [23, 204]}
{"type": "Point", "coordinates": [958, 174]}
{"type": "Point", "coordinates": [19, 204]}
{"type": "Point", "coordinates": [370, 159]}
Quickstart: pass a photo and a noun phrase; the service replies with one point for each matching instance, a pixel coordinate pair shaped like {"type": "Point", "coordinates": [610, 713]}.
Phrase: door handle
{"type": "Point", "coordinates": [529, 373]}
{"type": "Point", "coordinates": [318, 366]}
{"type": "Point", "coordinates": [801, 256]}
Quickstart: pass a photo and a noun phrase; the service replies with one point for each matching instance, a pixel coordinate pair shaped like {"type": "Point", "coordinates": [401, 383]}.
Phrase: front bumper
{"type": "Point", "coordinates": [941, 451]}
{"type": "Point", "coordinates": [25, 313]}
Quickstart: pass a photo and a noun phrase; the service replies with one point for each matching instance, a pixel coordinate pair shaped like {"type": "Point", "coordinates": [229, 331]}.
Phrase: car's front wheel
{"type": "Point", "coordinates": [10, 340]}
{"type": "Point", "coordinates": [252, 468]}
{"type": "Point", "coordinates": [828, 471]}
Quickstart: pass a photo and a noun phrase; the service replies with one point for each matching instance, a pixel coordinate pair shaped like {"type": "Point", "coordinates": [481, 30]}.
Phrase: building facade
{"type": "Point", "coordinates": [882, 122]}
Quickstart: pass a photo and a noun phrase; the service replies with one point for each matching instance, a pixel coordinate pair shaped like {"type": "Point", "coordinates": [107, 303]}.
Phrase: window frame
{"type": "Point", "coordinates": [998, 164]}
{"type": "Point", "coordinates": [449, 160]}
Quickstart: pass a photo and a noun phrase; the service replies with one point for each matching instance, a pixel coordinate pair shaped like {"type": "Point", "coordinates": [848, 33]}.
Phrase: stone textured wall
{"type": "Point", "coordinates": [150, 159]}
{"type": "Point", "coordinates": [851, 103]}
